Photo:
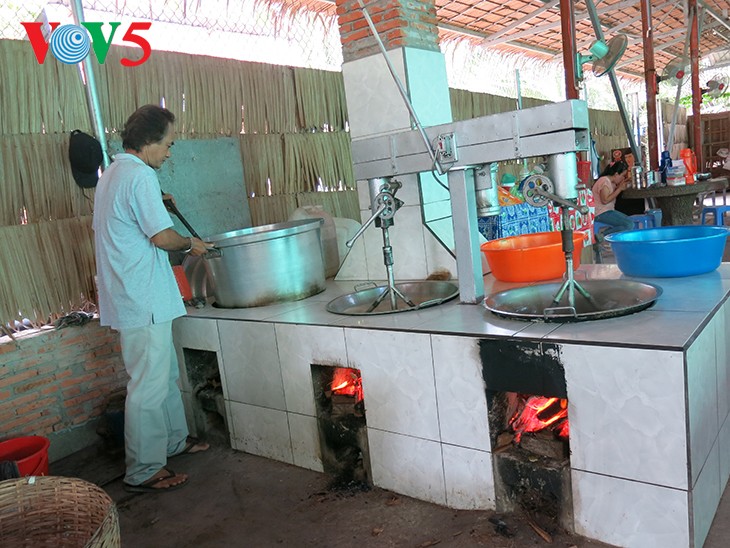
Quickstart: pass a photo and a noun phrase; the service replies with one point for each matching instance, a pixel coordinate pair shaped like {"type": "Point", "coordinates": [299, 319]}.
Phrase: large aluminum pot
{"type": "Point", "coordinates": [267, 264]}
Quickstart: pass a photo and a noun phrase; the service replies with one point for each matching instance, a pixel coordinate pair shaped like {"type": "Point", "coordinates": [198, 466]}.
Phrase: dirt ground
{"type": "Point", "coordinates": [234, 499]}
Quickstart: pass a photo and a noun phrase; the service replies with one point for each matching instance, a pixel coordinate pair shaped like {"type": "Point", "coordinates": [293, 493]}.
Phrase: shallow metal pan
{"type": "Point", "coordinates": [608, 299]}
{"type": "Point", "coordinates": [421, 294]}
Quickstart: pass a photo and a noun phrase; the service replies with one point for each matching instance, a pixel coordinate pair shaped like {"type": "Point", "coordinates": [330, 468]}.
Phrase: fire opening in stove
{"type": "Point", "coordinates": [531, 451]}
{"type": "Point", "coordinates": [537, 413]}
{"type": "Point", "coordinates": [340, 404]}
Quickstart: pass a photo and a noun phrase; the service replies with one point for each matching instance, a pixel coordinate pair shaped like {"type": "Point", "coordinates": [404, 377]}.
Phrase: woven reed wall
{"type": "Point", "coordinates": [291, 123]}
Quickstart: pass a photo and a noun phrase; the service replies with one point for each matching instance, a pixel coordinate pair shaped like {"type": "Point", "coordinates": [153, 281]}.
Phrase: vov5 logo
{"type": "Point", "coordinates": [70, 44]}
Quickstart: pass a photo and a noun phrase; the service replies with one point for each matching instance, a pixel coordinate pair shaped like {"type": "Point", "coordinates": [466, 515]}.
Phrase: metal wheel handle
{"type": "Point", "coordinates": [532, 189]}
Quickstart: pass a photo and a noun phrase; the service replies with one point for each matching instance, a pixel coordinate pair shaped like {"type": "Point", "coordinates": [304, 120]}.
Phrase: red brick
{"type": "Point", "coordinates": [25, 410]}
{"type": "Point", "coordinates": [18, 400]}
{"type": "Point", "coordinates": [76, 381]}
{"type": "Point", "coordinates": [22, 388]}
{"type": "Point", "coordinates": [8, 347]}
{"type": "Point", "coordinates": [20, 421]}
{"type": "Point", "coordinates": [49, 389]}
{"type": "Point", "coordinates": [18, 377]}
{"type": "Point", "coordinates": [83, 398]}
{"type": "Point", "coordinates": [79, 340]}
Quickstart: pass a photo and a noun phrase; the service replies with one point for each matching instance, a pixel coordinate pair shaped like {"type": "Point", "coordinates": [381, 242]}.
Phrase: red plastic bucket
{"type": "Point", "coordinates": [29, 452]}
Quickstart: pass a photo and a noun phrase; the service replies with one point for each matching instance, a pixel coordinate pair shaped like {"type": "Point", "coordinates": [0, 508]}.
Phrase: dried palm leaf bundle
{"type": "Point", "coordinates": [320, 97]}
{"type": "Point", "coordinates": [26, 279]}
{"type": "Point", "coordinates": [67, 256]}
{"type": "Point", "coordinates": [262, 163]}
{"type": "Point", "coordinates": [11, 191]}
{"type": "Point", "coordinates": [266, 210]}
{"type": "Point", "coordinates": [317, 161]}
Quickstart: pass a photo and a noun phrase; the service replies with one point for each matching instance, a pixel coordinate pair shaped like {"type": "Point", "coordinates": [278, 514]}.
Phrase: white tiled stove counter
{"type": "Point", "coordinates": [648, 399]}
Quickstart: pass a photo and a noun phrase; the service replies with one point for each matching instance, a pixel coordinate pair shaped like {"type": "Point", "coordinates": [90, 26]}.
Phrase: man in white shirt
{"type": "Point", "coordinates": [139, 297]}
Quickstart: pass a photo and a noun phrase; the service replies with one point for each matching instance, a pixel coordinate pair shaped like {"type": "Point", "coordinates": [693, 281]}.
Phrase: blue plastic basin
{"type": "Point", "coordinates": [669, 251]}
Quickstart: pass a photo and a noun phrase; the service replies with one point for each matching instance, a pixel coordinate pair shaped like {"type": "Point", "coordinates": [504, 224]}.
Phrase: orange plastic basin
{"type": "Point", "coordinates": [530, 257]}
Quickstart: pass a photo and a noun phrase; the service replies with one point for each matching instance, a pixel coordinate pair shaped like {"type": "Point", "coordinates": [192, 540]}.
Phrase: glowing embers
{"type": "Point", "coordinates": [347, 382]}
{"type": "Point", "coordinates": [338, 395]}
{"type": "Point", "coordinates": [532, 456]}
{"type": "Point", "coordinates": [538, 413]}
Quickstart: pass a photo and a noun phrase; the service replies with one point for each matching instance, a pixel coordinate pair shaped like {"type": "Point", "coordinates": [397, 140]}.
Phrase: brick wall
{"type": "Point", "coordinates": [399, 23]}
{"type": "Point", "coordinates": [53, 381]}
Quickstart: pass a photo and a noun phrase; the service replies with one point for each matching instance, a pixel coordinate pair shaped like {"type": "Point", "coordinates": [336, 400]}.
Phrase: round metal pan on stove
{"type": "Point", "coordinates": [421, 294]}
{"type": "Point", "coordinates": [607, 299]}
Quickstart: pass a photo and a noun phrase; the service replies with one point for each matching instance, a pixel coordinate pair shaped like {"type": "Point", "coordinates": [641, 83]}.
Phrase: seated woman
{"type": "Point", "coordinates": [606, 189]}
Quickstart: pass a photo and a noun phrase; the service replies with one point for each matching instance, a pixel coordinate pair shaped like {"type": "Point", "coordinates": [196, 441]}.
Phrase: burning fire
{"type": "Point", "coordinates": [539, 413]}
{"type": "Point", "coordinates": [347, 382]}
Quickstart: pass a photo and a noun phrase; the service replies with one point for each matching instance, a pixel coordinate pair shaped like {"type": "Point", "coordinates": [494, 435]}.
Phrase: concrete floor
{"type": "Point", "coordinates": [234, 499]}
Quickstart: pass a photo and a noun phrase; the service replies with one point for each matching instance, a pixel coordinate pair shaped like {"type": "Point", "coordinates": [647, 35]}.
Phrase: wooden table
{"type": "Point", "coordinates": [676, 201]}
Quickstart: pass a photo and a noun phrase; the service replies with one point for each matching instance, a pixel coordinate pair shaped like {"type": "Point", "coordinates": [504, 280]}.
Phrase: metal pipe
{"type": "Point", "coordinates": [401, 89]}
{"type": "Point", "coordinates": [647, 31]}
{"type": "Point", "coordinates": [86, 69]}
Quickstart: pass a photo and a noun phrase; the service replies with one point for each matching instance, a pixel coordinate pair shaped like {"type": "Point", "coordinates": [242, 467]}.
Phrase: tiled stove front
{"type": "Point", "coordinates": [649, 435]}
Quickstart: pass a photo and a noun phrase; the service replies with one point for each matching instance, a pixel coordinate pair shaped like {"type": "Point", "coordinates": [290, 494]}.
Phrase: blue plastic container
{"type": "Point", "coordinates": [669, 251]}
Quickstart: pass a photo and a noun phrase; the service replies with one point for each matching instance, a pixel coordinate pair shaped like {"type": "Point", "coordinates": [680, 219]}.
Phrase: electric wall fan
{"type": "Point", "coordinates": [604, 55]}
{"type": "Point", "coordinates": [716, 87]}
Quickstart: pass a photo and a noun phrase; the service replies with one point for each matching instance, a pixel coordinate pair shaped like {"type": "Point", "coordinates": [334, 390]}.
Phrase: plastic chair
{"type": "Point", "coordinates": [718, 213]}
{"type": "Point", "coordinates": [643, 221]}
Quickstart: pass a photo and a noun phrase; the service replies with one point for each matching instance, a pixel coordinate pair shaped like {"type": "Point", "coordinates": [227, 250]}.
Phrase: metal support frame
{"type": "Point", "coordinates": [540, 131]}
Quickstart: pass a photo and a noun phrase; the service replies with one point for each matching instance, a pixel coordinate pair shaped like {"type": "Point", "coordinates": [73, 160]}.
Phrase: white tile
{"type": "Point", "coordinates": [407, 241]}
{"type": "Point", "coordinates": [471, 319]}
{"type": "Point", "coordinates": [300, 346]}
{"type": "Point", "coordinates": [724, 451]}
{"type": "Point", "coordinates": [260, 431]}
{"type": "Point", "coordinates": [699, 293]}
{"type": "Point", "coordinates": [409, 466]}
{"type": "Point", "coordinates": [363, 196]}
{"type": "Point", "coordinates": [196, 333]}
{"type": "Point", "coordinates": [397, 379]}
{"type": "Point", "coordinates": [354, 265]}
{"type": "Point", "coordinates": [407, 320]}
{"type": "Point", "coordinates": [469, 478]}
{"type": "Point", "coordinates": [461, 392]}
{"type": "Point", "coordinates": [706, 496]}
{"type": "Point", "coordinates": [305, 444]}
{"type": "Point", "coordinates": [722, 347]}
{"type": "Point", "coordinates": [626, 413]}
{"type": "Point", "coordinates": [628, 513]}
{"type": "Point", "coordinates": [702, 397]}
{"type": "Point", "coordinates": [437, 256]}
{"type": "Point", "coordinates": [251, 364]}
{"type": "Point", "coordinates": [369, 88]}
{"type": "Point", "coordinates": [670, 330]}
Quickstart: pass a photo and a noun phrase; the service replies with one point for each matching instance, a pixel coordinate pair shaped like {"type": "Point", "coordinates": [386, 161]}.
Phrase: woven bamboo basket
{"type": "Point", "coordinates": [52, 511]}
